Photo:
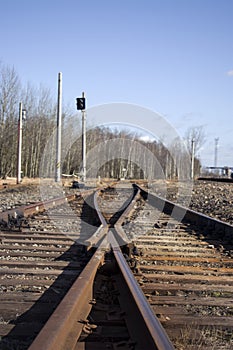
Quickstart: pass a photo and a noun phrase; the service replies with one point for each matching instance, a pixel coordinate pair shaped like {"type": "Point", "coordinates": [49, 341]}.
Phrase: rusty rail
{"type": "Point", "coordinates": [98, 236]}
{"type": "Point", "coordinates": [157, 332]}
{"type": "Point", "coordinates": [155, 328]}
{"type": "Point", "coordinates": [27, 210]}
{"type": "Point", "coordinates": [64, 327]}
{"type": "Point", "coordinates": [121, 235]}
{"type": "Point", "coordinates": [177, 211]}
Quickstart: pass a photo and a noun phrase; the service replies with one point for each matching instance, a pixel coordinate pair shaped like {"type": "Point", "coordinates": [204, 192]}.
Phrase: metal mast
{"type": "Point", "coordinates": [192, 158]}
{"type": "Point", "coordinates": [59, 120]}
{"type": "Point", "coordinates": [84, 140]}
{"type": "Point", "coordinates": [216, 152]}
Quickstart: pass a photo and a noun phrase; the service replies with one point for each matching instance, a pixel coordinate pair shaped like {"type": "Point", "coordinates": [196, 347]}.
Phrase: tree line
{"type": "Point", "coordinates": [135, 157]}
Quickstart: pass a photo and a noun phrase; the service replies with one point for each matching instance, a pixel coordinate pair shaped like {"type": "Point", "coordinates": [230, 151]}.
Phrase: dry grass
{"type": "Point", "coordinates": [200, 338]}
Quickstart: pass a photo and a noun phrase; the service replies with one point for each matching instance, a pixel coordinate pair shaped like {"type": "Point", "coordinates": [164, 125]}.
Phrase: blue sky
{"type": "Point", "coordinates": [172, 56]}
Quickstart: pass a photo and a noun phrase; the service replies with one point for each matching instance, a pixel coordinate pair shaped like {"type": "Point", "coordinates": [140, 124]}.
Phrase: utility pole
{"type": "Point", "coordinates": [22, 116]}
{"type": "Point", "coordinates": [192, 158]}
{"type": "Point", "coordinates": [216, 152]}
{"type": "Point", "coordinates": [59, 121]}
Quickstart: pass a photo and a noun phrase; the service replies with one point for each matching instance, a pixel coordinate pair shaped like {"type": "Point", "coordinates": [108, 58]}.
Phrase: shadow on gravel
{"type": "Point", "coordinates": [219, 237]}
{"type": "Point", "coordinates": [29, 323]}
{"type": "Point", "coordinates": [217, 233]}
{"type": "Point", "coordinates": [89, 220]}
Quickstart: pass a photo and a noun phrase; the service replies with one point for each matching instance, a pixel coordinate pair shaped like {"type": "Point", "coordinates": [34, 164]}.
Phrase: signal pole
{"type": "Point", "coordinates": [84, 141]}
{"type": "Point", "coordinates": [81, 105]}
{"type": "Point", "coordinates": [22, 116]}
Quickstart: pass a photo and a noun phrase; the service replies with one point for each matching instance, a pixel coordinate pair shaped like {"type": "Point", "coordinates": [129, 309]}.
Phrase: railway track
{"type": "Point", "coordinates": [39, 263]}
{"type": "Point", "coordinates": [93, 301]}
{"type": "Point", "coordinates": [185, 271]}
{"type": "Point", "coordinates": [100, 309]}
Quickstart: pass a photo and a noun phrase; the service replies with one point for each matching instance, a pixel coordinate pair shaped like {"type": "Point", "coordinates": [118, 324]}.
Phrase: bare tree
{"type": "Point", "coordinates": [134, 154]}
{"type": "Point", "coordinates": [41, 114]}
{"type": "Point", "coordinates": [197, 134]}
{"type": "Point", "coordinates": [9, 96]}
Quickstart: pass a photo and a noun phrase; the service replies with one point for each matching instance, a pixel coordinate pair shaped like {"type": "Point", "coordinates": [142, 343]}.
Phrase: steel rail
{"type": "Point", "coordinates": [122, 237]}
{"type": "Point", "coordinates": [155, 328]}
{"type": "Point", "coordinates": [101, 217]}
{"type": "Point", "coordinates": [101, 232]}
{"type": "Point", "coordinates": [27, 210]}
{"type": "Point", "coordinates": [177, 211]}
{"type": "Point", "coordinates": [64, 327]}
{"type": "Point", "coordinates": [129, 208]}
{"type": "Point", "coordinates": [157, 332]}
{"type": "Point", "coordinates": [218, 233]}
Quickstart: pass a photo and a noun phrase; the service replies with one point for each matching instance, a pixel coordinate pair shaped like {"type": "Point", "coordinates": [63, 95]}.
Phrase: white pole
{"type": "Point", "coordinates": [20, 121]}
{"type": "Point", "coordinates": [216, 153]}
{"type": "Point", "coordinates": [59, 117]}
{"type": "Point", "coordinates": [84, 141]}
{"type": "Point", "coordinates": [192, 158]}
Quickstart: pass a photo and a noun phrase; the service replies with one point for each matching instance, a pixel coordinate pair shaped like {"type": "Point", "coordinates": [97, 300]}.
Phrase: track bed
{"type": "Point", "coordinates": [121, 270]}
{"type": "Point", "coordinates": [185, 270]}
{"type": "Point", "coordinates": [39, 263]}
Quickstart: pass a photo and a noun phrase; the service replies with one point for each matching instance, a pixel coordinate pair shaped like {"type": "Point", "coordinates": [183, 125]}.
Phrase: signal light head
{"type": "Point", "coordinates": [81, 103]}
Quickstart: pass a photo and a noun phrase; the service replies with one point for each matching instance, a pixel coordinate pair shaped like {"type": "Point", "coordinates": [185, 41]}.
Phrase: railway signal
{"type": "Point", "coordinates": [81, 105]}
